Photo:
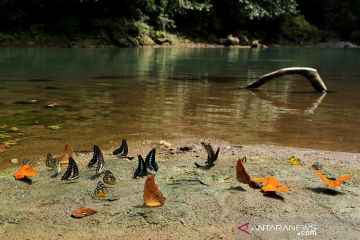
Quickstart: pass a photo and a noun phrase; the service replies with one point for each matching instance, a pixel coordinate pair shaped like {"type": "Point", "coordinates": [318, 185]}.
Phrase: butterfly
{"type": "Point", "coordinates": [294, 161]}
{"type": "Point", "coordinates": [141, 170]}
{"type": "Point", "coordinates": [317, 166]}
{"type": "Point", "coordinates": [28, 162]}
{"type": "Point", "coordinates": [212, 156]}
{"type": "Point", "coordinates": [25, 171]}
{"type": "Point", "coordinates": [97, 160]}
{"type": "Point", "coordinates": [122, 151]}
{"type": "Point", "coordinates": [82, 212]}
{"type": "Point", "coordinates": [270, 184]}
{"type": "Point", "coordinates": [109, 178]}
{"type": "Point", "coordinates": [68, 152]}
{"type": "Point", "coordinates": [50, 161]}
{"type": "Point", "coordinates": [242, 176]}
{"type": "Point", "coordinates": [101, 190]}
{"type": "Point", "coordinates": [152, 195]}
{"type": "Point", "coordinates": [150, 160]}
{"type": "Point", "coordinates": [332, 183]}
{"type": "Point", "coordinates": [72, 172]}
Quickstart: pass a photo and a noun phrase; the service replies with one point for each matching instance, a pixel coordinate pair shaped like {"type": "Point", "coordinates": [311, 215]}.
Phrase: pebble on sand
{"type": "Point", "coordinates": [14, 160]}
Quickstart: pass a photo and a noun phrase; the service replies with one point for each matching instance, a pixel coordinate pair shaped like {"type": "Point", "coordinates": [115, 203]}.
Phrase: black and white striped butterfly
{"type": "Point", "coordinates": [97, 160]}
{"type": "Point", "coordinates": [50, 161]}
{"type": "Point", "coordinates": [101, 190]}
{"type": "Point", "coordinates": [72, 172]}
{"type": "Point", "coordinates": [150, 160]}
{"type": "Point", "coordinates": [141, 170]}
{"type": "Point", "coordinates": [212, 156]}
{"type": "Point", "coordinates": [122, 151]}
{"type": "Point", "coordinates": [109, 178]}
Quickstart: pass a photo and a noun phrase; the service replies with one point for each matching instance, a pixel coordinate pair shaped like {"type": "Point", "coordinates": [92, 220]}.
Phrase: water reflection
{"type": "Point", "coordinates": [164, 93]}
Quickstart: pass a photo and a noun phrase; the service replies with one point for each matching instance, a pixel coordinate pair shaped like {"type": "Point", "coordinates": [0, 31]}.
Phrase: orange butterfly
{"type": "Point", "coordinates": [330, 183]}
{"type": "Point", "coordinates": [83, 212]}
{"type": "Point", "coordinates": [241, 175]}
{"type": "Point", "coordinates": [152, 195]}
{"type": "Point", "coordinates": [68, 152]}
{"type": "Point", "coordinates": [25, 171]}
{"type": "Point", "coordinates": [271, 184]}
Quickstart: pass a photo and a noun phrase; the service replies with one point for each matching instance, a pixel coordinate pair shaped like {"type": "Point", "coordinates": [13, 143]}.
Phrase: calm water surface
{"type": "Point", "coordinates": [105, 95]}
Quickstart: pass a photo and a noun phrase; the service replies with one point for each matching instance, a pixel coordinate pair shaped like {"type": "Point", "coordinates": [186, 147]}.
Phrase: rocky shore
{"type": "Point", "coordinates": [200, 204]}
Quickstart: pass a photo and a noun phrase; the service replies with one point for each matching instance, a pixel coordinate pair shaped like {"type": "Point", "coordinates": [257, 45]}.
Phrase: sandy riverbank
{"type": "Point", "coordinates": [200, 204]}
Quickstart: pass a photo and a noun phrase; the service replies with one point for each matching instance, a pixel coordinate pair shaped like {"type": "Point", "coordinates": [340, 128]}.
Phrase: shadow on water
{"type": "Point", "coordinates": [327, 191]}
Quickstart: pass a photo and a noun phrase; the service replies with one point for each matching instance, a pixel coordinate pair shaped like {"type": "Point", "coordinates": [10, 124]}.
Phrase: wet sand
{"type": "Point", "coordinates": [200, 204]}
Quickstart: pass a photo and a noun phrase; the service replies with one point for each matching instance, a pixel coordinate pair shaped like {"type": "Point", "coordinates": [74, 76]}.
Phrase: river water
{"type": "Point", "coordinates": [104, 95]}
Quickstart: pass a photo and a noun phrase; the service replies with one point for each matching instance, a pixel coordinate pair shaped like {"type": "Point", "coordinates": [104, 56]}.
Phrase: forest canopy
{"type": "Point", "coordinates": [128, 22]}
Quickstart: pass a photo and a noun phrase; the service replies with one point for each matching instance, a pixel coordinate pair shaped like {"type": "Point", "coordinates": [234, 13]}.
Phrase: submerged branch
{"type": "Point", "coordinates": [310, 73]}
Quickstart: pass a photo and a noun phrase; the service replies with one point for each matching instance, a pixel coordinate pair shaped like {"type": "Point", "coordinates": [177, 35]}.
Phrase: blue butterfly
{"type": "Point", "coordinates": [72, 171]}
{"type": "Point", "coordinates": [150, 160]}
{"type": "Point", "coordinates": [141, 170]}
{"type": "Point", "coordinates": [97, 160]}
{"type": "Point", "coordinates": [122, 151]}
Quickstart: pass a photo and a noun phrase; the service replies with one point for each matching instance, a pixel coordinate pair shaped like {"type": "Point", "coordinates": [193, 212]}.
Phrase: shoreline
{"type": "Point", "coordinates": [200, 204]}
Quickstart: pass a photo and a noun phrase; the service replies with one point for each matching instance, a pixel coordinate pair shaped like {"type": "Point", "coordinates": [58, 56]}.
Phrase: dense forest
{"type": "Point", "coordinates": [146, 22]}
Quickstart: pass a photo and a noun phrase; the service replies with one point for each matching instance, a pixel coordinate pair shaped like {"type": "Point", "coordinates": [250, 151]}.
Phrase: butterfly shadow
{"type": "Point", "coordinates": [274, 195]}
{"type": "Point", "coordinates": [26, 180]}
{"type": "Point", "coordinates": [95, 176]}
{"type": "Point", "coordinates": [327, 191]}
{"type": "Point", "coordinates": [204, 167]}
{"type": "Point", "coordinates": [237, 188]}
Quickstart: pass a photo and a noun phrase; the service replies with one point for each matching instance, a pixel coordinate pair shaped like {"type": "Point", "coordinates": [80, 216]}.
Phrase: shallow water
{"type": "Point", "coordinates": [104, 95]}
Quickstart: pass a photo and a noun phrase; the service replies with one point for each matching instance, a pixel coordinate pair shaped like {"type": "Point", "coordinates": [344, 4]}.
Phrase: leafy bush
{"type": "Point", "coordinates": [297, 29]}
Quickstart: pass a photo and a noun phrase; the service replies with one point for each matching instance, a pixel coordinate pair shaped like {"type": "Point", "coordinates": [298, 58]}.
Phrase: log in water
{"type": "Point", "coordinates": [310, 73]}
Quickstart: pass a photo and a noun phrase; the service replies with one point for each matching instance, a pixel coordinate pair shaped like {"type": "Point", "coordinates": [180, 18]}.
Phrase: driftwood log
{"type": "Point", "coordinates": [310, 73]}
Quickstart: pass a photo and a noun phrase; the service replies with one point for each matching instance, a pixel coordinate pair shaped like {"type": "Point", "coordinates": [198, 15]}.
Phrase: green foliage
{"type": "Point", "coordinates": [39, 20]}
{"type": "Point", "coordinates": [298, 30]}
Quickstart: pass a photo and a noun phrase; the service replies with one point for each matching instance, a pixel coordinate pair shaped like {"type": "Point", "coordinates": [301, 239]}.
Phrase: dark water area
{"type": "Point", "coordinates": [104, 95]}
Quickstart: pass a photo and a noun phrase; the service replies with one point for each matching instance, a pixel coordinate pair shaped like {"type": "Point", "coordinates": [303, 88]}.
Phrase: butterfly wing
{"type": "Point", "coordinates": [69, 150]}
{"type": "Point", "coordinates": [141, 170]}
{"type": "Point", "coordinates": [294, 161]}
{"type": "Point", "coordinates": [94, 160]}
{"type": "Point", "coordinates": [101, 190]}
{"type": "Point", "coordinates": [152, 195]}
{"type": "Point", "coordinates": [333, 184]}
{"type": "Point", "coordinates": [122, 151]}
{"type": "Point", "coordinates": [322, 177]}
{"type": "Point", "coordinates": [150, 160]}
{"type": "Point", "coordinates": [341, 180]}
{"type": "Point", "coordinates": [109, 178]}
{"type": "Point", "coordinates": [50, 161]}
{"type": "Point", "coordinates": [64, 159]}
{"type": "Point", "coordinates": [261, 180]}
{"type": "Point", "coordinates": [273, 185]}
{"type": "Point", "coordinates": [25, 171]}
{"type": "Point", "coordinates": [72, 172]}
{"type": "Point", "coordinates": [209, 151]}
{"type": "Point", "coordinates": [241, 175]}
{"type": "Point", "coordinates": [100, 161]}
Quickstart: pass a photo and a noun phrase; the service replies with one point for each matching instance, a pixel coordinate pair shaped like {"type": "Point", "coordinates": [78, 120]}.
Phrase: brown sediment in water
{"type": "Point", "coordinates": [200, 204]}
